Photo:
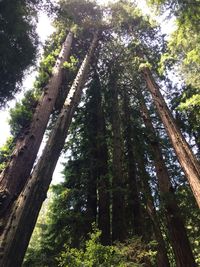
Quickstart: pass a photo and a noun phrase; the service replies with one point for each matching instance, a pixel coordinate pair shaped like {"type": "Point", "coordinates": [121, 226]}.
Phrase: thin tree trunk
{"type": "Point", "coordinates": [162, 258]}
{"type": "Point", "coordinates": [16, 173]}
{"type": "Point", "coordinates": [177, 232]}
{"type": "Point", "coordinates": [133, 210]}
{"type": "Point", "coordinates": [184, 154]}
{"type": "Point", "coordinates": [118, 184]}
{"type": "Point", "coordinates": [22, 219]}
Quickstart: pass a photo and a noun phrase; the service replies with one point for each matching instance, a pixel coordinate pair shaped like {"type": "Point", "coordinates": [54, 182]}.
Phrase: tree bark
{"type": "Point", "coordinates": [184, 154]}
{"type": "Point", "coordinates": [100, 158]}
{"type": "Point", "coordinates": [162, 258]}
{"type": "Point", "coordinates": [23, 216]}
{"type": "Point", "coordinates": [16, 173]}
{"type": "Point", "coordinates": [118, 184]}
{"type": "Point", "coordinates": [177, 232]}
{"type": "Point", "coordinates": [133, 210]}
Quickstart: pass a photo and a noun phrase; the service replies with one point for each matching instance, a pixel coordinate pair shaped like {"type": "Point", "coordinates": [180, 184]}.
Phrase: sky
{"type": "Point", "coordinates": [44, 29]}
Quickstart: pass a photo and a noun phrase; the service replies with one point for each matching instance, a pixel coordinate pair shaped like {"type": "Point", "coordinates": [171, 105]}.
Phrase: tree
{"type": "Point", "coordinates": [184, 153]}
{"type": "Point", "coordinates": [110, 175]}
{"type": "Point", "coordinates": [26, 149]}
{"type": "Point", "coordinates": [18, 44]}
{"type": "Point", "coordinates": [118, 183]}
{"type": "Point", "coordinates": [33, 195]}
{"type": "Point", "coordinates": [177, 231]}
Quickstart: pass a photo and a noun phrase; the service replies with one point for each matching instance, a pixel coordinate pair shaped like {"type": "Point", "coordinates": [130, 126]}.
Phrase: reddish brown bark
{"type": "Point", "coordinates": [17, 171]}
{"type": "Point", "coordinates": [177, 232]}
{"type": "Point", "coordinates": [184, 154]}
{"type": "Point", "coordinates": [22, 218]}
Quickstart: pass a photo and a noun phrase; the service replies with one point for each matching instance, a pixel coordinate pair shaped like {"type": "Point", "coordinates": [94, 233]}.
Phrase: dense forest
{"type": "Point", "coordinates": [120, 102]}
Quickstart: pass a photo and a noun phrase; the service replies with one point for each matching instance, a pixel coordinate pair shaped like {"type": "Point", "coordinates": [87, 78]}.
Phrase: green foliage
{"type": "Point", "coordinates": [191, 215]}
{"type": "Point", "coordinates": [183, 55]}
{"type": "Point", "coordinates": [18, 44]}
{"type": "Point", "coordinates": [21, 114]}
{"type": "Point", "coordinates": [79, 15]}
{"type": "Point", "coordinates": [132, 253]}
{"type": "Point", "coordinates": [5, 152]}
{"type": "Point", "coordinates": [51, 52]}
{"type": "Point", "coordinates": [71, 65]}
{"type": "Point", "coordinates": [35, 254]}
{"type": "Point", "coordinates": [126, 46]}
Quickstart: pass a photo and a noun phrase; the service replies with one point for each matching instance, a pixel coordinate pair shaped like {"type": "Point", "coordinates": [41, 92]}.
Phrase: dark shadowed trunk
{"type": "Point", "coordinates": [184, 154]}
{"type": "Point", "coordinates": [103, 183]}
{"type": "Point", "coordinates": [16, 173]}
{"type": "Point", "coordinates": [133, 210]}
{"type": "Point", "coordinates": [23, 216]}
{"type": "Point", "coordinates": [177, 231]}
{"type": "Point", "coordinates": [162, 258]}
{"type": "Point", "coordinates": [118, 184]}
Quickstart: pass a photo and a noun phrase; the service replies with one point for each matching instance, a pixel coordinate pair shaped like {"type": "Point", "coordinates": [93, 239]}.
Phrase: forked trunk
{"type": "Point", "coordinates": [184, 154]}
{"type": "Point", "coordinates": [18, 169]}
{"type": "Point", "coordinates": [177, 232]}
{"type": "Point", "coordinates": [23, 216]}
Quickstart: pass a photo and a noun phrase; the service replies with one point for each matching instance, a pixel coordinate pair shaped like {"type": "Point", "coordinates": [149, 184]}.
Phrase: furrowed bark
{"type": "Point", "coordinates": [16, 173]}
{"type": "Point", "coordinates": [184, 153]}
{"type": "Point", "coordinates": [177, 232]}
{"type": "Point", "coordinates": [22, 218]}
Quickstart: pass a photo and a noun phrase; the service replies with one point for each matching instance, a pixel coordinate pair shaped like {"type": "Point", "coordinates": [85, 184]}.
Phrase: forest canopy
{"type": "Point", "coordinates": [107, 100]}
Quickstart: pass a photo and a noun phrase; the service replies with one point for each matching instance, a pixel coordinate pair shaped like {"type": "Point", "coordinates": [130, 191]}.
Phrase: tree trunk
{"type": "Point", "coordinates": [23, 216]}
{"type": "Point", "coordinates": [16, 173]}
{"type": "Point", "coordinates": [133, 210]}
{"type": "Point", "coordinates": [162, 258]}
{"type": "Point", "coordinates": [118, 185]}
{"type": "Point", "coordinates": [177, 231]}
{"type": "Point", "coordinates": [184, 154]}
{"type": "Point", "coordinates": [101, 164]}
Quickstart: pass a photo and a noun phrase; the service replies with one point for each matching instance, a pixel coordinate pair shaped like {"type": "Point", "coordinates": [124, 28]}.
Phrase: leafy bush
{"type": "Point", "coordinates": [132, 253]}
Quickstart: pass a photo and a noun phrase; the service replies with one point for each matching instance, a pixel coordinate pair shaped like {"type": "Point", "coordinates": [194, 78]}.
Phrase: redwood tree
{"type": "Point", "coordinates": [22, 218]}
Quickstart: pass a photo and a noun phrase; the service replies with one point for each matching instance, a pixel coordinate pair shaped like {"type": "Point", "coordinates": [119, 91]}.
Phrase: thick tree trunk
{"type": "Point", "coordinates": [133, 210]}
{"type": "Point", "coordinates": [23, 216]}
{"type": "Point", "coordinates": [16, 173]}
{"type": "Point", "coordinates": [177, 231]}
{"type": "Point", "coordinates": [184, 154]}
{"type": "Point", "coordinates": [118, 184]}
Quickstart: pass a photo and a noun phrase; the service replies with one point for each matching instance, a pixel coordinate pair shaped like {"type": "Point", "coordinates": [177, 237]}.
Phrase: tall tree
{"type": "Point", "coordinates": [23, 215]}
{"type": "Point", "coordinates": [15, 175]}
{"type": "Point", "coordinates": [184, 153]}
{"type": "Point", "coordinates": [175, 225]}
{"type": "Point", "coordinates": [97, 126]}
{"type": "Point", "coordinates": [133, 200]}
{"type": "Point", "coordinates": [162, 257]}
{"type": "Point", "coordinates": [118, 183]}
